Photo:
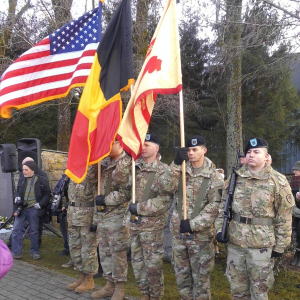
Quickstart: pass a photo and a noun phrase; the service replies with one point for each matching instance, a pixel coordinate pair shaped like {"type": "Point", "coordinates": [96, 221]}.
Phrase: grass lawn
{"type": "Point", "coordinates": [283, 289]}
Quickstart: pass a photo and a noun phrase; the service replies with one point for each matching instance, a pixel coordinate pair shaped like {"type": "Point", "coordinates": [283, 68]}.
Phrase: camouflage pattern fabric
{"type": "Point", "coordinates": [117, 200]}
{"type": "Point", "coordinates": [113, 239]}
{"type": "Point", "coordinates": [266, 194]}
{"type": "Point", "coordinates": [154, 210]}
{"type": "Point", "coordinates": [146, 256]}
{"type": "Point", "coordinates": [82, 242]}
{"type": "Point", "coordinates": [83, 192]}
{"type": "Point", "coordinates": [83, 249]}
{"type": "Point", "coordinates": [203, 224]}
{"type": "Point", "coordinates": [147, 237]}
{"type": "Point", "coordinates": [193, 261]}
{"type": "Point", "coordinates": [250, 272]}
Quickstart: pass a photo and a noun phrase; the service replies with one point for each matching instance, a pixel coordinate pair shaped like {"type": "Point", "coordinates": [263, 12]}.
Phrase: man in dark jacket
{"type": "Point", "coordinates": [33, 195]}
{"type": "Point", "coordinates": [43, 218]}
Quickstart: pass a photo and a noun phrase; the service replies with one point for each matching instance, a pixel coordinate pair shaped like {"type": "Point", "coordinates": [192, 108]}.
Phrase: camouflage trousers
{"type": "Point", "coordinates": [146, 256]}
{"type": "Point", "coordinates": [113, 239]}
{"type": "Point", "coordinates": [250, 272]}
{"type": "Point", "coordinates": [83, 249]}
{"type": "Point", "coordinates": [193, 262]}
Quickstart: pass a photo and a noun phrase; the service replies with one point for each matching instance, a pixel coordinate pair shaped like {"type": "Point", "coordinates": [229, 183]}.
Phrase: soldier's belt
{"type": "Point", "coordinates": [252, 221]}
{"type": "Point", "coordinates": [82, 204]}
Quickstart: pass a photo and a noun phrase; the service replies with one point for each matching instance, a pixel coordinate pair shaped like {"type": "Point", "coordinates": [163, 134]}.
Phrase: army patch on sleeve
{"type": "Point", "coordinates": [289, 198]}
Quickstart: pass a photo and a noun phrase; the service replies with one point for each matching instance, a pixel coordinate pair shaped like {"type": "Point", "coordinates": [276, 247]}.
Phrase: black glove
{"type": "Point", "coordinates": [276, 254]}
{"type": "Point", "coordinates": [181, 156]}
{"type": "Point", "coordinates": [133, 208]}
{"type": "Point", "coordinates": [93, 228]}
{"type": "Point", "coordinates": [100, 200]}
{"type": "Point", "coordinates": [219, 238]}
{"type": "Point", "coordinates": [185, 226]}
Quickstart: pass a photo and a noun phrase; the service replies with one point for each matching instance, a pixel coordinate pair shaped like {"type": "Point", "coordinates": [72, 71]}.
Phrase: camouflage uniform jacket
{"type": "Point", "coordinates": [154, 210]}
{"type": "Point", "coordinates": [202, 224]}
{"type": "Point", "coordinates": [118, 199]}
{"type": "Point", "coordinates": [266, 194]}
{"type": "Point", "coordinates": [83, 192]}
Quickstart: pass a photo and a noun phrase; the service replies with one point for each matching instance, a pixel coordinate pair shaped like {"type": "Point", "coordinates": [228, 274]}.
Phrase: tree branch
{"type": "Point", "coordinates": [281, 8]}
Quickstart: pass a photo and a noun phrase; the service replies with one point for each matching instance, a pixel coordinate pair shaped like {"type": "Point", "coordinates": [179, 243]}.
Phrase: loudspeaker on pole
{"type": "Point", "coordinates": [8, 158]}
{"type": "Point", "coordinates": [29, 147]}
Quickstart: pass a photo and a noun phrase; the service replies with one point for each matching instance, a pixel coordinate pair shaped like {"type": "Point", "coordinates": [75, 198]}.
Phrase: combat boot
{"type": "Point", "coordinates": [78, 282]}
{"type": "Point", "coordinates": [87, 284]}
{"type": "Point", "coordinates": [107, 291]}
{"type": "Point", "coordinates": [145, 297]}
{"type": "Point", "coordinates": [119, 292]}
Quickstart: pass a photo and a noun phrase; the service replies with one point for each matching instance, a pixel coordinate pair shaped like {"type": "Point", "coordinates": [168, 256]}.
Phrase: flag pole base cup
{"type": "Point", "coordinates": [135, 219]}
{"type": "Point", "coordinates": [186, 236]}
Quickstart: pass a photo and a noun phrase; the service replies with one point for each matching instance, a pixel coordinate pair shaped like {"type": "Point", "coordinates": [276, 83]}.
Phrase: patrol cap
{"type": "Point", "coordinates": [296, 166]}
{"type": "Point", "coordinates": [196, 140]}
{"type": "Point", "coordinates": [153, 138]}
{"type": "Point", "coordinates": [256, 143]}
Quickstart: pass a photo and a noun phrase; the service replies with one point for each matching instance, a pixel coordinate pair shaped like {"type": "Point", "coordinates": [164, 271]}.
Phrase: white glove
{"type": "Point", "coordinates": [18, 200]}
{"type": "Point", "coordinates": [37, 206]}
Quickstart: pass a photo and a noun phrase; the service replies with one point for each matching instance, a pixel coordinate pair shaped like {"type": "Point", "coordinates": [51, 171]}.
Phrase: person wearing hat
{"type": "Point", "coordinates": [147, 219]}
{"type": "Point", "coordinates": [261, 224]}
{"type": "Point", "coordinates": [113, 237]}
{"type": "Point", "coordinates": [193, 239]}
{"type": "Point", "coordinates": [33, 196]}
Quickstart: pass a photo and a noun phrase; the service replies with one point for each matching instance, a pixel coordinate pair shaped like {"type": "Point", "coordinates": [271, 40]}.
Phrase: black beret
{"type": "Point", "coordinates": [153, 138]}
{"type": "Point", "coordinates": [196, 140]}
{"type": "Point", "coordinates": [30, 164]}
{"type": "Point", "coordinates": [256, 143]}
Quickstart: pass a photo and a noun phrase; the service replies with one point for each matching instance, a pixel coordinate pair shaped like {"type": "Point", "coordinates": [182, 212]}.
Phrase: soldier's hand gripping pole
{"type": "Point", "coordinates": [227, 216]}
{"type": "Point", "coordinates": [185, 235]}
{"type": "Point", "coordinates": [134, 217]}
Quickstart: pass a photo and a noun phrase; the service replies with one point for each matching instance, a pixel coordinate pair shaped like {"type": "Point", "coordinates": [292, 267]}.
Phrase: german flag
{"type": "Point", "coordinates": [100, 109]}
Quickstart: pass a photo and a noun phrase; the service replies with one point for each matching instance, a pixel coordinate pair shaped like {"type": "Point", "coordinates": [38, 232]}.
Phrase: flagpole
{"type": "Point", "coordinates": [134, 219]}
{"type": "Point", "coordinates": [99, 177]}
{"type": "Point", "coordinates": [182, 135]}
{"type": "Point", "coordinates": [186, 235]}
{"type": "Point", "coordinates": [182, 144]}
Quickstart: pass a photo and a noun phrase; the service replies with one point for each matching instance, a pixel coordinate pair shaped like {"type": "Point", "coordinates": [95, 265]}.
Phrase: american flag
{"type": "Point", "coordinates": [53, 66]}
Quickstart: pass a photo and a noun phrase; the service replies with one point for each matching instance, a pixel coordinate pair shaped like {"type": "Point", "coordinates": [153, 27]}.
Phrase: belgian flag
{"type": "Point", "coordinates": [100, 109]}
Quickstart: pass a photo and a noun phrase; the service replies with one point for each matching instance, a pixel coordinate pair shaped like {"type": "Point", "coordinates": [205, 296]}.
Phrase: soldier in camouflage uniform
{"type": "Point", "coordinates": [82, 242]}
{"type": "Point", "coordinates": [193, 259]}
{"type": "Point", "coordinates": [151, 207]}
{"type": "Point", "coordinates": [261, 226]}
{"type": "Point", "coordinates": [113, 237]}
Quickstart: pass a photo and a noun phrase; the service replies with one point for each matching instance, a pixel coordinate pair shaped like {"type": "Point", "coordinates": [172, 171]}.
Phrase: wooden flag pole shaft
{"type": "Point", "coordinates": [99, 177]}
{"type": "Point", "coordinates": [133, 181]}
{"type": "Point", "coordinates": [182, 143]}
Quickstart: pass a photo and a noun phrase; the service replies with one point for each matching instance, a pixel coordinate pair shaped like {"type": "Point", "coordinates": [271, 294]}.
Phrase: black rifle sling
{"type": "Point", "coordinates": [108, 184]}
{"type": "Point", "coordinates": [199, 199]}
{"type": "Point", "coordinates": [148, 186]}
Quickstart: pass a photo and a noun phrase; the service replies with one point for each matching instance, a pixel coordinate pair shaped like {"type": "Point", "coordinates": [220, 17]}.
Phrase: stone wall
{"type": "Point", "coordinates": [54, 164]}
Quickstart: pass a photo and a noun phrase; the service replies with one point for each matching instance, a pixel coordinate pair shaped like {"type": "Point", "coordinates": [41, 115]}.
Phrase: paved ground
{"type": "Point", "coordinates": [25, 281]}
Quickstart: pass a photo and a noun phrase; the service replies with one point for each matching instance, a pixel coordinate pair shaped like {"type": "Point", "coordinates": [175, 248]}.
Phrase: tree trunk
{"type": "Point", "coordinates": [62, 12]}
{"type": "Point", "coordinates": [234, 95]}
{"type": "Point", "coordinates": [141, 29]}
